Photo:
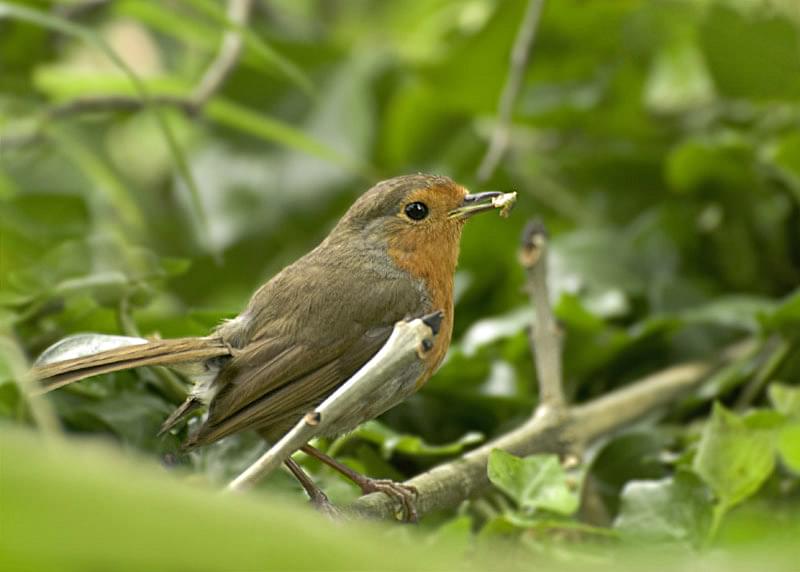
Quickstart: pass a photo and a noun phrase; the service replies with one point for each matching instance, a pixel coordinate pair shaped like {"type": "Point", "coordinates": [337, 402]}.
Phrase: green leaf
{"type": "Point", "coordinates": [722, 161]}
{"type": "Point", "coordinates": [735, 455]}
{"type": "Point", "coordinates": [789, 447]}
{"type": "Point", "coordinates": [134, 417]}
{"type": "Point", "coordinates": [737, 43]}
{"type": "Point", "coordinates": [785, 157]}
{"type": "Point", "coordinates": [675, 509]}
{"type": "Point", "coordinates": [634, 455]}
{"type": "Point", "coordinates": [786, 316]}
{"type": "Point", "coordinates": [535, 482]}
{"type": "Point", "coordinates": [678, 79]}
{"type": "Point", "coordinates": [98, 510]}
{"type": "Point", "coordinates": [785, 398]}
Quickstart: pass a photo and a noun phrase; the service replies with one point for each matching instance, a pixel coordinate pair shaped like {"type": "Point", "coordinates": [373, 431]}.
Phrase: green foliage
{"type": "Point", "coordinates": [535, 482]}
{"type": "Point", "coordinates": [736, 455]}
{"type": "Point", "coordinates": [658, 140]}
{"type": "Point", "coordinates": [675, 509]}
{"type": "Point", "coordinates": [72, 504]}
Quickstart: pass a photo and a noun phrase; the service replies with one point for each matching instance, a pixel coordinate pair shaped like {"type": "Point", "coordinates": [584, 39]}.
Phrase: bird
{"type": "Point", "coordinates": [391, 256]}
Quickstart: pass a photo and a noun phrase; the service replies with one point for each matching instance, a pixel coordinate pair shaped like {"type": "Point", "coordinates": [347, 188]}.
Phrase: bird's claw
{"type": "Point", "coordinates": [406, 495]}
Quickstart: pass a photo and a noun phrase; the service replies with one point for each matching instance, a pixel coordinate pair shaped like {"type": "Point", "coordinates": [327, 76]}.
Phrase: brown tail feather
{"type": "Point", "coordinates": [157, 352]}
{"type": "Point", "coordinates": [187, 407]}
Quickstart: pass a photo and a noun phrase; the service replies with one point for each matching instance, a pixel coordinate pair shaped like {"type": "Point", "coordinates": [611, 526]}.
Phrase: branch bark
{"type": "Point", "coordinates": [520, 54]}
{"type": "Point", "coordinates": [384, 379]}
{"type": "Point", "coordinates": [545, 338]}
{"type": "Point", "coordinates": [446, 486]}
{"type": "Point", "coordinates": [228, 55]}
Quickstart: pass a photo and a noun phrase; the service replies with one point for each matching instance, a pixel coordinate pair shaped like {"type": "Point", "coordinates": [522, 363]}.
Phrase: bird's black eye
{"type": "Point", "coordinates": [416, 211]}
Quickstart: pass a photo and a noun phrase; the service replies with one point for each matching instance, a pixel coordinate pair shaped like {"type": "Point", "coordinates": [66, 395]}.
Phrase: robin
{"type": "Point", "coordinates": [313, 325]}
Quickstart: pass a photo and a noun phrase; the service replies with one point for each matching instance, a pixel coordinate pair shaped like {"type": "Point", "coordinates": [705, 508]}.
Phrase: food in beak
{"type": "Point", "coordinates": [483, 202]}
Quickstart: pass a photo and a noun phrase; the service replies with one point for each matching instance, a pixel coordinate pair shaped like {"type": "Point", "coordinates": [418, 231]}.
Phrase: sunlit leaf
{"type": "Point", "coordinates": [785, 398]}
{"type": "Point", "coordinates": [735, 455]}
{"type": "Point", "coordinates": [675, 509]}
{"type": "Point", "coordinates": [535, 482]}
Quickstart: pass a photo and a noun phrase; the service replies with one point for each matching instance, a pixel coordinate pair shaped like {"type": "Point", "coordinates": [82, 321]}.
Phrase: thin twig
{"type": "Point", "coordinates": [385, 378]}
{"type": "Point", "coordinates": [211, 82]}
{"type": "Point", "coordinates": [520, 54]}
{"type": "Point", "coordinates": [545, 337]}
{"type": "Point", "coordinates": [446, 486]}
{"type": "Point", "coordinates": [227, 56]}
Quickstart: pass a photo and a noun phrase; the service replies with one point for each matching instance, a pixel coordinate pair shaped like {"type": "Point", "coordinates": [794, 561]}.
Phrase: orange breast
{"type": "Point", "coordinates": [430, 255]}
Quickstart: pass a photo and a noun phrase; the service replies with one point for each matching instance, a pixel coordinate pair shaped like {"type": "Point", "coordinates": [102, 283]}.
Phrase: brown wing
{"type": "Point", "coordinates": [304, 333]}
{"type": "Point", "coordinates": [302, 379]}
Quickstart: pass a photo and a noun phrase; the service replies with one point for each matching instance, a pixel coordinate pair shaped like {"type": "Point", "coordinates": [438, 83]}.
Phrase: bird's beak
{"type": "Point", "coordinates": [474, 204]}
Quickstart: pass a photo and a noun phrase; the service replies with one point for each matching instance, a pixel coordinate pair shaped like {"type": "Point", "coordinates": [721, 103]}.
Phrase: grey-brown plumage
{"type": "Point", "coordinates": [314, 324]}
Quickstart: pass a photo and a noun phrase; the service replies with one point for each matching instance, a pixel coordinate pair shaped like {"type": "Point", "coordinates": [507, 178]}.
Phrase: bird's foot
{"type": "Point", "coordinates": [406, 495]}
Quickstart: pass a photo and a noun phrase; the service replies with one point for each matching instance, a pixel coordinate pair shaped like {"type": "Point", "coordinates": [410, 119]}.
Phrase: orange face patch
{"type": "Point", "coordinates": [428, 250]}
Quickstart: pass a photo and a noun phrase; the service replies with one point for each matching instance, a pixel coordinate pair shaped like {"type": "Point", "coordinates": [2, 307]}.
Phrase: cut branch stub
{"type": "Point", "coordinates": [534, 240]}
{"type": "Point", "coordinates": [545, 334]}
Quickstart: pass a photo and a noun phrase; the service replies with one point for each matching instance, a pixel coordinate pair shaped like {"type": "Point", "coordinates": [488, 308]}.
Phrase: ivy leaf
{"type": "Point", "coordinates": [736, 455]}
{"type": "Point", "coordinates": [675, 509]}
{"type": "Point", "coordinates": [785, 317]}
{"type": "Point", "coordinates": [785, 399]}
{"type": "Point", "coordinates": [535, 482]}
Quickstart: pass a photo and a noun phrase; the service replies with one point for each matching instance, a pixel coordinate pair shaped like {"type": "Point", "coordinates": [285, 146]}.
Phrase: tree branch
{"type": "Point", "coordinates": [520, 55]}
{"type": "Point", "coordinates": [446, 486]}
{"type": "Point", "coordinates": [545, 338]}
{"type": "Point", "coordinates": [383, 379]}
{"type": "Point", "coordinates": [228, 55]}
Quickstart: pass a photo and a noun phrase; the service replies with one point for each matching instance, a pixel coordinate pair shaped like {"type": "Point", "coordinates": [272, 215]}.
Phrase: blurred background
{"type": "Point", "coordinates": [657, 139]}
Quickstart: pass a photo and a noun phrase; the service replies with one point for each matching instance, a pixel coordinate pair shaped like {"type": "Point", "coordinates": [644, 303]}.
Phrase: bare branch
{"type": "Point", "coordinates": [545, 336]}
{"type": "Point", "coordinates": [520, 54]}
{"type": "Point", "coordinates": [384, 379]}
{"type": "Point", "coordinates": [446, 486]}
{"type": "Point", "coordinates": [228, 55]}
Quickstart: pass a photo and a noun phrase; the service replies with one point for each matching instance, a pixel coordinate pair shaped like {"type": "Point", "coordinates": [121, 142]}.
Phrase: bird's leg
{"type": "Point", "coordinates": [405, 494]}
{"type": "Point", "coordinates": [318, 498]}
